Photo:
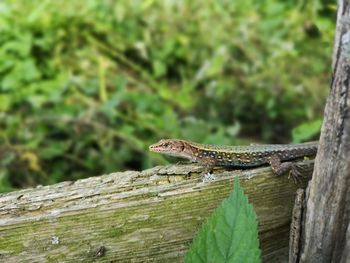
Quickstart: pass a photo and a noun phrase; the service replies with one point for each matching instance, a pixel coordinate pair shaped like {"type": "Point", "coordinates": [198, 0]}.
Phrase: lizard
{"type": "Point", "coordinates": [279, 156]}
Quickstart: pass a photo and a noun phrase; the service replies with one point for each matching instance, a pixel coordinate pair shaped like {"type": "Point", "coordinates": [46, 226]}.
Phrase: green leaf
{"type": "Point", "coordinates": [230, 235]}
{"type": "Point", "coordinates": [25, 70]}
{"type": "Point", "coordinates": [5, 102]}
{"type": "Point", "coordinates": [306, 131]}
{"type": "Point", "coordinates": [54, 149]}
{"type": "Point", "coordinates": [4, 182]}
{"type": "Point", "coordinates": [159, 68]}
{"type": "Point", "coordinates": [7, 159]}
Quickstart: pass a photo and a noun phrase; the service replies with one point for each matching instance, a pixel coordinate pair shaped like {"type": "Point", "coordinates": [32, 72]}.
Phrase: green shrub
{"type": "Point", "coordinates": [86, 86]}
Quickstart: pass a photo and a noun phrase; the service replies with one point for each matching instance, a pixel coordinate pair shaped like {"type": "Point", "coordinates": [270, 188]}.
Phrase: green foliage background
{"type": "Point", "coordinates": [86, 86]}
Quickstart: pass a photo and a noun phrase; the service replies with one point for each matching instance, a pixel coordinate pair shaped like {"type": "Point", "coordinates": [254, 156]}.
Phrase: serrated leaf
{"type": "Point", "coordinates": [230, 234]}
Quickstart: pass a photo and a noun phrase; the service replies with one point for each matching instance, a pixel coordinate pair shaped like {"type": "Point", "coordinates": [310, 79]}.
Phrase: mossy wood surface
{"type": "Point", "coordinates": [148, 216]}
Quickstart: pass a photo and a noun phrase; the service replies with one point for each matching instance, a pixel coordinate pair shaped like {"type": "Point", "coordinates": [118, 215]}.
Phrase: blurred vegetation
{"type": "Point", "coordinates": [86, 86]}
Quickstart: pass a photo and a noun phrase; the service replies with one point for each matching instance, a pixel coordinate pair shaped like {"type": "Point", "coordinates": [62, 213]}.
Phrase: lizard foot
{"type": "Point", "coordinates": [296, 174]}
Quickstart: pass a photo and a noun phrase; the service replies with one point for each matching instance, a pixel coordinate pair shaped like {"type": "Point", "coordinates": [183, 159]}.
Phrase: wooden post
{"type": "Point", "coordinates": [326, 228]}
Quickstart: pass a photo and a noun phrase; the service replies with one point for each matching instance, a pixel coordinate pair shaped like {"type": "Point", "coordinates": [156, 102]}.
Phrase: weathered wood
{"type": "Point", "coordinates": [295, 227]}
{"type": "Point", "coordinates": [138, 216]}
{"type": "Point", "coordinates": [326, 236]}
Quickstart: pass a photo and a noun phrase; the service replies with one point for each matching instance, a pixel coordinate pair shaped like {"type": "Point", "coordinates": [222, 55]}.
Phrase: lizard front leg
{"type": "Point", "coordinates": [280, 168]}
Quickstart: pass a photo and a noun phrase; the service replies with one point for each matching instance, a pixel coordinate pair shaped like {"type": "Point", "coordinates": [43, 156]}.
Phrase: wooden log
{"type": "Point", "coordinates": [138, 216]}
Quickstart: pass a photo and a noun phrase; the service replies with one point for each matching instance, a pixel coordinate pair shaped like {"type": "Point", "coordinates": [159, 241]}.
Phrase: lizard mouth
{"type": "Point", "coordinates": [155, 148]}
{"type": "Point", "coordinates": [168, 146]}
{"type": "Point", "coordinates": [152, 148]}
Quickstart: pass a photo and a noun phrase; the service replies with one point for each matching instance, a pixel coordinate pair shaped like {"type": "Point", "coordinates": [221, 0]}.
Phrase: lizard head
{"type": "Point", "coordinates": [173, 147]}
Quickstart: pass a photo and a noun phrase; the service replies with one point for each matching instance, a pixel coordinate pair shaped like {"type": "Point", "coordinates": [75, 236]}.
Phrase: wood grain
{"type": "Point", "coordinates": [148, 216]}
{"type": "Point", "coordinates": [326, 227]}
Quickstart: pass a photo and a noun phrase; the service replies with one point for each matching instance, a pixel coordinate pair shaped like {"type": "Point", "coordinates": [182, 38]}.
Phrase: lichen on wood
{"type": "Point", "coordinates": [138, 216]}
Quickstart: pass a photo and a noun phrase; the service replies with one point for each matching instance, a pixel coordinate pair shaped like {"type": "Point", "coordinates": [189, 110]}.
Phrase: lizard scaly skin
{"type": "Point", "coordinates": [279, 156]}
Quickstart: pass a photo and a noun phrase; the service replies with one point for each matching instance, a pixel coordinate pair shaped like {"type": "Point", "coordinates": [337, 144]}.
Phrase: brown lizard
{"type": "Point", "coordinates": [279, 156]}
